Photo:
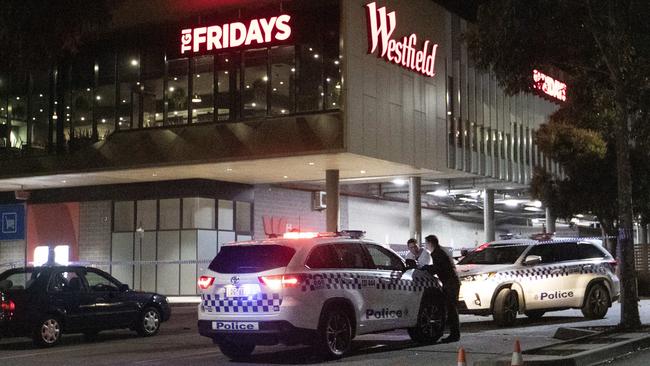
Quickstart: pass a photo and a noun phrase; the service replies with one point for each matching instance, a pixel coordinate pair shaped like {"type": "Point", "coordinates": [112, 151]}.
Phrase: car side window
{"type": "Point", "coordinates": [100, 283]}
{"type": "Point", "coordinates": [68, 281]}
{"type": "Point", "coordinates": [545, 251]}
{"type": "Point", "coordinates": [566, 251]}
{"type": "Point", "coordinates": [383, 259]}
{"type": "Point", "coordinates": [323, 256]}
{"type": "Point", "coordinates": [351, 255]}
{"type": "Point", "coordinates": [590, 251]}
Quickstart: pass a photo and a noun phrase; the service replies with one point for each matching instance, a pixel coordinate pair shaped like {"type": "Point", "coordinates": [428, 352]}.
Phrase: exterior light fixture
{"type": "Point", "coordinates": [196, 99]}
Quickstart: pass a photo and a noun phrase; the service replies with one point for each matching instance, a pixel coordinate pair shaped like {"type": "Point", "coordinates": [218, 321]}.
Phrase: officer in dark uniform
{"type": "Point", "coordinates": [444, 268]}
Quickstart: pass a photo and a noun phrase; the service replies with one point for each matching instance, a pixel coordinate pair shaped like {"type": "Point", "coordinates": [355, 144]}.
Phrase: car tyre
{"type": "Point", "coordinates": [597, 302]}
{"type": "Point", "coordinates": [148, 323]}
{"type": "Point", "coordinates": [430, 324]}
{"type": "Point", "coordinates": [335, 334]}
{"type": "Point", "coordinates": [236, 351]}
{"type": "Point", "coordinates": [47, 332]}
{"type": "Point", "coordinates": [506, 307]}
{"type": "Point", "coordinates": [535, 314]}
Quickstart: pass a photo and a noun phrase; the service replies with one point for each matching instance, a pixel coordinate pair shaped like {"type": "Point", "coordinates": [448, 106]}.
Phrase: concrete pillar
{"type": "Point", "coordinates": [488, 215]}
{"type": "Point", "coordinates": [643, 234]}
{"type": "Point", "coordinates": [332, 200]}
{"type": "Point", "coordinates": [415, 208]}
{"type": "Point", "coordinates": [550, 221]}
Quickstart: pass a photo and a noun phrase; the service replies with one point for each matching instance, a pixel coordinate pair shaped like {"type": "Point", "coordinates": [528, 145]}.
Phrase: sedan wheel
{"type": "Point", "coordinates": [149, 323]}
{"type": "Point", "coordinates": [47, 333]}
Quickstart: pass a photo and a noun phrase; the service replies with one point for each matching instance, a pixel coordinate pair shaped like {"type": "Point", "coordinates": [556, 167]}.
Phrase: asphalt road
{"type": "Point", "coordinates": [179, 344]}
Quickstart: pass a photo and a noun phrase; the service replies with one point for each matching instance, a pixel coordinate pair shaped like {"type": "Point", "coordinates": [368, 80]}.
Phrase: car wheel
{"type": "Point", "coordinates": [506, 307]}
{"type": "Point", "coordinates": [430, 324]}
{"type": "Point", "coordinates": [596, 303]}
{"type": "Point", "coordinates": [47, 332]}
{"type": "Point", "coordinates": [534, 314]}
{"type": "Point", "coordinates": [335, 334]}
{"type": "Point", "coordinates": [149, 322]}
{"type": "Point", "coordinates": [236, 351]}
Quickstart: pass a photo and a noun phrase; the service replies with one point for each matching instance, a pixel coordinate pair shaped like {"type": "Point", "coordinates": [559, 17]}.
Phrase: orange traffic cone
{"type": "Point", "coordinates": [516, 355]}
{"type": "Point", "coordinates": [461, 357]}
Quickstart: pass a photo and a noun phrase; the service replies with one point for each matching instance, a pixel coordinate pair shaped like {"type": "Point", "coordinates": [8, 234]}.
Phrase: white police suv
{"type": "Point", "coordinates": [508, 277]}
{"type": "Point", "coordinates": [317, 289]}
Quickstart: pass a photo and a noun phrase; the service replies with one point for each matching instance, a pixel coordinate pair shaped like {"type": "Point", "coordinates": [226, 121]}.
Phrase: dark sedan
{"type": "Point", "coordinates": [46, 302]}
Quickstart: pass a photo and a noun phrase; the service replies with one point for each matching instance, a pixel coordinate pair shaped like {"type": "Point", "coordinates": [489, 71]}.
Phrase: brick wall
{"type": "Point", "coordinates": [95, 231]}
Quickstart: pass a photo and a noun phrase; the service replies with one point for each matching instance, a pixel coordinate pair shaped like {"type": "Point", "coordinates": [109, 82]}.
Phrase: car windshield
{"type": "Point", "coordinates": [495, 254]}
{"type": "Point", "coordinates": [251, 258]}
{"type": "Point", "coordinates": [20, 279]}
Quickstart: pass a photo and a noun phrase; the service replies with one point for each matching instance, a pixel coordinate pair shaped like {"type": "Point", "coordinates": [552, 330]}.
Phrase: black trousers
{"type": "Point", "coordinates": [451, 290]}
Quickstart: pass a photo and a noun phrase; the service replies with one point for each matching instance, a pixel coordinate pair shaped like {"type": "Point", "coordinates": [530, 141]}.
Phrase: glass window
{"type": "Point", "coordinates": [40, 111]}
{"type": "Point", "coordinates": [177, 88]}
{"type": "Point", "coordinates": [105, 95]}
{"type": "Point", "coordinates": [65, 282]}
{"type": "Point", "coordinates": [128, 105]}
{"type": "Point", "coordinates": [495, 254]}
{"type": "Point", "coordinates": [19, 279]}
{"type": "Point", "coordinates": [81, 101]}
{"type": "Point", "coordinates": [251, 258]}
{"type": "Point", "coordinates": [351, 256]}
{"type": "Point", "coordinates": [226, 215]}
{"type": "Point", "coordinates": [332, 67]}
{"type": "Point", "coordinates": [99, 282]}
{"type": "Point", "coordinates": [227, 86]}
{"type": "Point", "coordinates": [256, 81]}
{"type": "Point", "coordinates": [283, 80]}
{"type": "Point", "coordinates": [555, 252]}
{"type": "Point", "coordinates": [590, 251]}
{"type": "Point", "coordinates": [123, 216]}
{"type": "Point", "coordinates": [323, 256]}
{"type": "Point", "coordinates": [170, 214]}
{"type": "Point", "coordinates": [203, 89]}
{"type": "Point", "coordinates": [147, 217]}
{"type": "Point", "coordinates": [243, 220]}
{"type": "Point", "coordinates": [151, 88]}
{"type": "Point", "coordinates": [198, 213]}
{"type": "Point", "coordinates": [310, 85]}
{"type": "Point", "coordinates": [18, 111]}
{"type": "Point", "coordinates": [383, 259]}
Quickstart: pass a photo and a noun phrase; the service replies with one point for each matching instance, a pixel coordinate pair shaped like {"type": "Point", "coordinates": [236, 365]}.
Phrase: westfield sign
{"type": "Point", "coordinates": [403, 52]}
{"type": "Point", "coordinates": [231, 35]}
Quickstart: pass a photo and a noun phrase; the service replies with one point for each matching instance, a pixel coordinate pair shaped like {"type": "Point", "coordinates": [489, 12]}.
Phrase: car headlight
{"type": "Point", "coordinates": [478, 277]}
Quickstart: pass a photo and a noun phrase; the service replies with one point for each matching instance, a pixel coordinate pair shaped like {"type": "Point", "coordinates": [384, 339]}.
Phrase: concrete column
{"type": "Point", "coordinates": [415, 208]}
{"type": "Point", "coordinates": [488, 215]}
{"type": "Point", "coordinates": [332, 200]}
{"type": "Point", "coordinates": [643, 234]}
{"type": "Point", "coordinates": [550, 221]}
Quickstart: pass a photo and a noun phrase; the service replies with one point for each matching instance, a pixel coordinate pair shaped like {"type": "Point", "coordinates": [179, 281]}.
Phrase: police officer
{"type": "Point", "coordinates": [443, 266]}
{"type": "Point", "coordinates": [420, 255]}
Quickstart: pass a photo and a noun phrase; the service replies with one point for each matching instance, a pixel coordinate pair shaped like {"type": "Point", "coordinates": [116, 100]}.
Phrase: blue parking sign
{"type": "Point", "coordinates": [12, 222]}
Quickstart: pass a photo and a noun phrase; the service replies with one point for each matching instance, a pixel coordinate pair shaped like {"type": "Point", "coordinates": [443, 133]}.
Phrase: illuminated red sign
{"type": "Point", "coordinates": [236, 34]}
{"type": "Point", "coordinates": [381, 26]}
{"type": "Point", "coordinates": [548, 85]}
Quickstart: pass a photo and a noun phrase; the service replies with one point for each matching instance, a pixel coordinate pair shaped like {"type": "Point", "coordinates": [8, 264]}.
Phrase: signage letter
{"type": "Point", "coordinates": [283, 26]}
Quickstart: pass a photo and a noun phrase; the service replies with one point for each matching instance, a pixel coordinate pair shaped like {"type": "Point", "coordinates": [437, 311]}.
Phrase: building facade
{"type": "Point", "coordinates": [180, 128]}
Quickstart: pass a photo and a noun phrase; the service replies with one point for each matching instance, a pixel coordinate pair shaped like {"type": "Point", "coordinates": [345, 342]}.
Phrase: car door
{"type": "Point", "coordinates": [549, 284]}
{"type": "Point", "coordinates": [68, 295]}
{"type": "Point", "coordinates": [394, 302]}
{"type": "Point", "coordinates": [112, 308]}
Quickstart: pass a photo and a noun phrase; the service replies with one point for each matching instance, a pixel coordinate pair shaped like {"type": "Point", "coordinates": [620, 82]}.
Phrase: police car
{"type": "Point", "coordinates": [508, 277]}
{"type": "Point", "coordinates": [316, 289]}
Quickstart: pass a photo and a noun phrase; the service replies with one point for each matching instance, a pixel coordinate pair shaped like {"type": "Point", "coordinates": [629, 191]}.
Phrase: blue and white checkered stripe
{"type": "Point", "coordinates": [351, 281]}
{"type": "Point", "coordinates": [259, 303]}
{"type": "Point", "coordinates": [544, 272]}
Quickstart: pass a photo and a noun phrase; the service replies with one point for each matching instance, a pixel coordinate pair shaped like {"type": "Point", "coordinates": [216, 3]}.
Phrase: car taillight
{"type": "Point", "coordinates": [8, 306]}
{"type": "Point", "coordinates": [280, 281]}
{"type": "Point", "coordinates": [613, 263]}
{"type": "Point", "coordinates": [205, 282]}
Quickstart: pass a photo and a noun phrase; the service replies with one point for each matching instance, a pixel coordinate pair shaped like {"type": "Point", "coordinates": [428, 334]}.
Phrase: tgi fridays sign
{"type": "Point", "coordinates": [236, 34]}
{"type": "Point", "coordinates": [403, 52]}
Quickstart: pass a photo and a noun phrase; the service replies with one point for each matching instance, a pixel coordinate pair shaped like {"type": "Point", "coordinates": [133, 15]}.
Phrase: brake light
{"type": "Point", "coordinates": [8, 306]}
{"type": "Point", "coordinates": [280, 281]}
{"type": "Point", "coordinates": [205, 282]}
{"type": "Point", "coordinates": [613, 263]}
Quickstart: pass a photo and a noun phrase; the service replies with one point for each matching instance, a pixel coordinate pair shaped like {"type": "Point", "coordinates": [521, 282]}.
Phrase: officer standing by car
{"type": "Point", "coordinates": [420, 255]}
{"type": "Point", "coordinates": [443, 266]}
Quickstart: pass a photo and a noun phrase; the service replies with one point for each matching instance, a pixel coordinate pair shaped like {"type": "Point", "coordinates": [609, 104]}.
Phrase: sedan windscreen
{"type": "Point", "coordinates": [496, 254]}
{"type": "Point", "coordinates": [251, 258]}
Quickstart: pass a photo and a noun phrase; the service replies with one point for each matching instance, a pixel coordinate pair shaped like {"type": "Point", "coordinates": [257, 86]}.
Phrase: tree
{"type": "Point", "coordinates": [600, 45]}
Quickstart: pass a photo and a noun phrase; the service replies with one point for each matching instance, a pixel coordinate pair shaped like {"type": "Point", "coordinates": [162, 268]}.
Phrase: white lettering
{"type": "Point", "coordinates": [283, 27]}
{"type": "Point", "coordinates": [214, 36]}
{"type": "Point", "coordinates": [268, 26]}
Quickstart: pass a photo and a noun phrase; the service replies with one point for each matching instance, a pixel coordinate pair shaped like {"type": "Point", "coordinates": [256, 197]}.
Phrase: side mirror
{"type": "Point", "coordinates": [411, 264]}
{"type": "Point", "coordinates": [124, 287]}
{"type": "Point", "coordinates": [532, 260]}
